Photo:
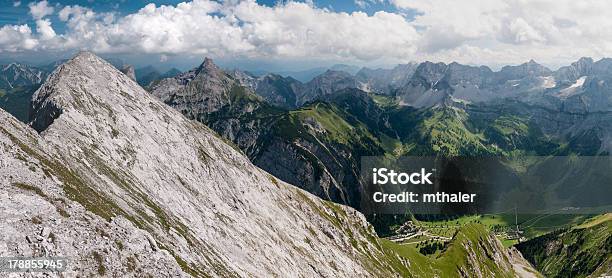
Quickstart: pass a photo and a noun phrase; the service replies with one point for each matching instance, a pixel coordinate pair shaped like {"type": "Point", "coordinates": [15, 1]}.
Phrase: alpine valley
{"type": "Point", "coordinates": [223, 173]}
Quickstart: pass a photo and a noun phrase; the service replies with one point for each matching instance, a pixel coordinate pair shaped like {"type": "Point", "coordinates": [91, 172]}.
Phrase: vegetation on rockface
{"type": "Point", "coordinates": [581, 251]}
{"type": "Point", "coordinates": [329, 140]}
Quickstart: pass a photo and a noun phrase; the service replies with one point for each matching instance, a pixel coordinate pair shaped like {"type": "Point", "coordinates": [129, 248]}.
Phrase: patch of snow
{"type": "Point", "coordinates": [572, 89]}
{"type": "Point", "coordinates": [548, 82]}
{"type": "Point", "coordinates": [578, 82]}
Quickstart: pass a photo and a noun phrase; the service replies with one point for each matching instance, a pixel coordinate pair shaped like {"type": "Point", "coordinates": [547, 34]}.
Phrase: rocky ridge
{"type": "Point", "coordinates": [108, 147]}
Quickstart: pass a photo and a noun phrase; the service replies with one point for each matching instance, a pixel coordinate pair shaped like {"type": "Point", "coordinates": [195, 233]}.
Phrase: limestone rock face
{"type": "Point", "coordinates": [41, 218]}
{"type": "Point", "coordinates": [114, 164]}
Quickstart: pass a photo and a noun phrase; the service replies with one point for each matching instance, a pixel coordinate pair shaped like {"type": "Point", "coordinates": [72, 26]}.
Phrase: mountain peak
{"type": "Point", "coordinates": [585, 60]}
{"type": "Point", "coordinates": [208, 66]}
{"type": "Point", "coordinates": [84, 84]}
{"type": "Point", "coordinates": [84, 54]}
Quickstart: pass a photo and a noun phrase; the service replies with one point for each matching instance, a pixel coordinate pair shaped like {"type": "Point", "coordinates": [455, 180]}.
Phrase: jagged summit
{"type": "Point", "coordinates": [208, 67]}
{"type": "Point", "coordinates": [73, 83]}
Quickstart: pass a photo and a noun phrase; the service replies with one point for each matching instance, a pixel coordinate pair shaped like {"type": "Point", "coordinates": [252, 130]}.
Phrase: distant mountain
{"type": "Point", "coordinates": [386, 81]}
{"type": "Point", "coordinates": [149, 74]}
{"type": "Point", "coordinates": [345, 68]}
{"type": "Point", "coordinates": [325, 84]}
{"type": "Point", "coordinates": [275, 89]}
{"type": "Point", "coordinates": [316, 146]}
{"type": "Point", "coordinates": [303, 75]}
{"type": "Point", "coordinates": [20, 75]}
{"type": "Point", "coordinates": [17, 84]}
{"type": "Point", "coordinates": [129, 71]}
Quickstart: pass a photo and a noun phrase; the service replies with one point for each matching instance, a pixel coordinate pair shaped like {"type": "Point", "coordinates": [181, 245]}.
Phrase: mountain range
{"type": "Point", "coordinates": [106, 174]}
{"type": "Point", "coordinates": [17, 84]}
{"type": "Point", "coordinates": [450, 110]}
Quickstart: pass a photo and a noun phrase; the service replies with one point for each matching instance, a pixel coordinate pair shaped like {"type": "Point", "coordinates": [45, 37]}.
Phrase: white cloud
{"type": "Point", "coordinates": [516, 30]}
{"type": "Point", "coordinates": [243, 29]}
{"type": "Point", "coordinates": [16, 37]}
{"type": "Point", "coordinates": [361, 3]}
{"type": "Point", "coordinates": [474, 31]}
{"type": "Point", "coordinates": [297, 30]}
{"type": "Point", "coordinates": [43, 27]}
{"type": "Point", "coordinates": [16, 4]}
{"type": "Point", "coordinates": [38, 10]}
{"type": "Point", "coordinates": [365, 3]}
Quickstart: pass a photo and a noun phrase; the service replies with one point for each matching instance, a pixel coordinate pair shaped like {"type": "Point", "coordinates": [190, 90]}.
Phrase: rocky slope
{"type": "Point", "coordinates": [122, 155]}
{"type": "Point", "coordinates": [316, 147]}
{"type": "Point", "coordinates": [44, 215]}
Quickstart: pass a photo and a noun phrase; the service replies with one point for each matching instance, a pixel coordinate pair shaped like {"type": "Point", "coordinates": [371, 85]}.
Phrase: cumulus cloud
{"type": "Point", "coordinates": [17, 37]}
{"type": "Point", "coordinates": [38, 10]}
{"type": "Point", "coordinates": [548, 30]}
{"type": "Point", "coordinates": [43, 27]}
{"type": "Point", "coordinates": [241, 28]}
{"type": "Point", "coordinates": [474, 31]}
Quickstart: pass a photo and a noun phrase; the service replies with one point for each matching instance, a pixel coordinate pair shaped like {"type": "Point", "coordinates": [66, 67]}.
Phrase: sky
{"type": "Point", "coordinates": [296, 35]}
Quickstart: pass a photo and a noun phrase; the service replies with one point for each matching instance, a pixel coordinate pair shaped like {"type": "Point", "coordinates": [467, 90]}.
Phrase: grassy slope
{"type": "Point", "coordinates": [575, 252]}
{"type": "Point", "coordinates": [439, 131]}
{"type": "Point", "coordinates": [467, 253]}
